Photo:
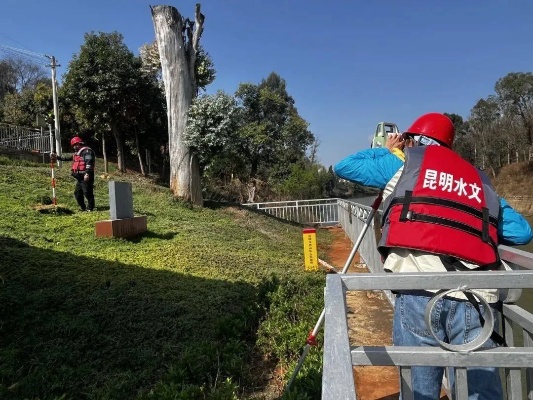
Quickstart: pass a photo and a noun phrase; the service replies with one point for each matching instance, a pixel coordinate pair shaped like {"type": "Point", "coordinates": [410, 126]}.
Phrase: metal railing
{"type": "Point", "coordinates": [340, 357]}
{"type": "Point", "coordinates": [312, 212]}
{"type": "Point", "coordinates": [23, 138]}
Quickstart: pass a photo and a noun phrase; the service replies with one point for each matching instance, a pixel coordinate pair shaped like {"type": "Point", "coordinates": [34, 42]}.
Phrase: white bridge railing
{"type": "Point", "coordinates": [311, 212]}
{"type": "Point", "coordinates": [23, 138]}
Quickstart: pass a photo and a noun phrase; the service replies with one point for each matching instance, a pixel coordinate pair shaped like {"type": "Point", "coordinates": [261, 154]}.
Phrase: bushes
{"type": "Point", "coordinates": [295, 306]}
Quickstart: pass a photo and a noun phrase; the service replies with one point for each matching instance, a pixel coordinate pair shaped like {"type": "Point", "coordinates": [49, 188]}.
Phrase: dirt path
{"type": "Point", "coordinates": [369, 323]}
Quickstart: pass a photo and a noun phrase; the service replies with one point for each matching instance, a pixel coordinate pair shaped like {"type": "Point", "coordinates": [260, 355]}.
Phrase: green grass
{"type": "Point", "coordinates": [193, 309]}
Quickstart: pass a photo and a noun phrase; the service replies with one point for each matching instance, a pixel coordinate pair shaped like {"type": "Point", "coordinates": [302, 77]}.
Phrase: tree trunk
{"type": "Point", "coordinates": [148, 159]}
{"type": "Point", "coordinates": [254, 167]}
{"type": "Point", "coordinates": [529, 128]}
{"type": "Point", "coordinates": [314, 151]}
{"type": "Point", "coordinates": [104, 154]}
{"type": "Point", "coordinates": [119, 140]}
{"type": "Point", "coordinates": [508, 156]}
{"type": "Point", "coordinates": [251, 192]}
{"type": "Point", "coordinates": [141, 165]}
{"type": "Point", "coordinates": [177, 40]}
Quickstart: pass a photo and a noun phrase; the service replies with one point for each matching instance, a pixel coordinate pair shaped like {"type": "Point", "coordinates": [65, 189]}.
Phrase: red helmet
{"type": "Point", "coordinates": [75, 140]}
{"type": "Point", "coordinates": [436, 126]}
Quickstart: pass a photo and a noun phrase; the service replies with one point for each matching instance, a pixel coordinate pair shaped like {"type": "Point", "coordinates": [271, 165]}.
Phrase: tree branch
{"type": "Point", "coordinates": [199, 22]}
{"type": "Point", "coordinates": [194, 40]}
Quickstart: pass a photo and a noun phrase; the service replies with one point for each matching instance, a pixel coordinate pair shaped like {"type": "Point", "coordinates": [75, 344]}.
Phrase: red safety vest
{"type": "Point", "coordinates": [442, 205]}
{"type": "Point", "coordinates": [78, 164]}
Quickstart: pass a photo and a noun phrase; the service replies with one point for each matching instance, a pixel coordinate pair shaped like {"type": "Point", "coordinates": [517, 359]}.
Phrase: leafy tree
{"type": "Point", "coordinates": [101, 83]}
{"type": "Point", "coordinates": [464, 142]}
{"type": "Point", "coordinates": [178, 40]}
{"type": "Point", "coordinates": [255, 138]}
{"type": "Point", "coordinates": [8, 79]}
{"type": "Point", "coordinates": [515, 95]}
{"type": "Point", "coordinates": [458, 123]}
{"type": "Point", "coordinates": [513, 132]}
{"type": "Point", "coordinates": [273, 134]}
{"type": "Point", "coordinates": [295, 139]}
{"type": "Point", "coordinates": [19, 108]}
{"type": "Point", "coordinates": [331, 183]}
{"type": "Point", "coordinates": [151, 62]}
{"type": "Point", "coordinates": [212, 124]}
{"type": "Point", "coordinates": [483, 120]}
{"type": "Point", "coordinates": [304, 182]}
{"type": "Point", "coordinates": [71, 120]}
{"type": "Point", "coordinates": [19, 80]}
{"type": "Point", "coordinates": [43, 98]}
{"type": "Point", "coordinates": [146, 108]}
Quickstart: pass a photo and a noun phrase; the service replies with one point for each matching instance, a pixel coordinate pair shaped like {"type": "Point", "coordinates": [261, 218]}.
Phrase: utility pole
{"type": "Point", "coordinates": [53, 66]}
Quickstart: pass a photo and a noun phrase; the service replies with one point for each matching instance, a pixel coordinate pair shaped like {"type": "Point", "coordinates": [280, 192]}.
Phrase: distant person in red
{"type": "Point", "coordinates": [82, 170]}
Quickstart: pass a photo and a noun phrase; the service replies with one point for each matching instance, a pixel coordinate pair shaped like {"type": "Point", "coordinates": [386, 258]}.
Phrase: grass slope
{"type": "Point", "coordinates": [190, 310]}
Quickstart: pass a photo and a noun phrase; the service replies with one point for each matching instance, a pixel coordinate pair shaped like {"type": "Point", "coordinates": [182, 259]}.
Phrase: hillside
{"type": "Point", "coordinates": [514, 182]}
{"type": "Point", "coordinates": [206, 305]}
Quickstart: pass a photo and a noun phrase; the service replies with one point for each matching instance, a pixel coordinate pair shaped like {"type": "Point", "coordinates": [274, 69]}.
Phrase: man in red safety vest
{"type": "Point", "coordinates": [440, 213]}
{"type": "Point", "coordinates": [82, 170]}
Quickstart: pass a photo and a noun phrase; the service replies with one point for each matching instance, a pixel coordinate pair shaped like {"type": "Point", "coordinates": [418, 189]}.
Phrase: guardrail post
{"type": "Point", "coordinates": [337, 378]}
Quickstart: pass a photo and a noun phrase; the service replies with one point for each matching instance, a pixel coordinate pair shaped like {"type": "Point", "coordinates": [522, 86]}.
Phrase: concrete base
{"type": "Point", "coordinates": [123, 228]}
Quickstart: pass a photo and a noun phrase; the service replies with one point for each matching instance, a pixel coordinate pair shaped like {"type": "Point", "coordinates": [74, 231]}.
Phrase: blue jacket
{"type": "Point", "coordinates": [376, 167]}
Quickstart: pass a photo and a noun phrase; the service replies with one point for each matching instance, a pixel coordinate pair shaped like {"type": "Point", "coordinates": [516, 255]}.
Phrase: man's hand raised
{"type": "Point", "coordinates": [395, 141]}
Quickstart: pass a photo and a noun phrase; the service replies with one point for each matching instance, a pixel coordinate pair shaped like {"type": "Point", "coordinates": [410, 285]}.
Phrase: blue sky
{"type": "Point", "coordinates": [348, 64]}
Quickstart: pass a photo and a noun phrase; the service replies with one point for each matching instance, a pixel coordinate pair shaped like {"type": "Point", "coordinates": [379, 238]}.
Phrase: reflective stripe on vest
{"type": "Point", "coordinates": [78, 164]}
{"type": "Point", "coordinates": [442, 205]}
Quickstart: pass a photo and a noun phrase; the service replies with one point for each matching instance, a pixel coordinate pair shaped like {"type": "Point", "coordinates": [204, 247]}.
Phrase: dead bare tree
{"type": "Point", "coordinates": [177, 40]}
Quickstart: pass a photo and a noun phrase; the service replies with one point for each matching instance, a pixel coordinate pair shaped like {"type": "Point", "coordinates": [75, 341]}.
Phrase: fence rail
{"type": "Point", "coordinates": [340, 357]}
{"type": "Point", "coordinates": [312, 212]}
{"type": "Point", "coordinates": [24, 138]}
{"type": "Point", "coordinates": [515, 361]}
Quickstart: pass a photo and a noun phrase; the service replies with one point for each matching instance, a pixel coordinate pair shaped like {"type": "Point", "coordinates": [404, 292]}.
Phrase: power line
{"type": "Point", "coordinates": [23, 57]}
{"type": "Point", "coordinates": [25, 54]}
{"type": "Point", "coordinates": [29, 52]}
{"type": "Point", "coordinates": [14, 41]}
{"type": "Point", "coordinates": [31, 56]}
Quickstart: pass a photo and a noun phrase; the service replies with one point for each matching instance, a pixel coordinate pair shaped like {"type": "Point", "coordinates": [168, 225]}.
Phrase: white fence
{"type": "Point", "coordinates": [311, 212]}
{"type": "Point", "coordinates": [22, 138]}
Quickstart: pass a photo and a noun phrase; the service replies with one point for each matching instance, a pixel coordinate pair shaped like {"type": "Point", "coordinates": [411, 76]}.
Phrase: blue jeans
{"type": "Point", "coordinates": [455, 322]}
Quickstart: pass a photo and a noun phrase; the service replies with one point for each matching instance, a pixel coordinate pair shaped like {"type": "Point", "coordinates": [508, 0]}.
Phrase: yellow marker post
{"type": "Point", "coordinates": [310, 249]}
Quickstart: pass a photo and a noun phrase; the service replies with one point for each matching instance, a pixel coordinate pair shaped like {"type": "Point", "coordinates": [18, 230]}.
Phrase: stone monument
{"type": "Point", "coordinates": [122, 222]}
